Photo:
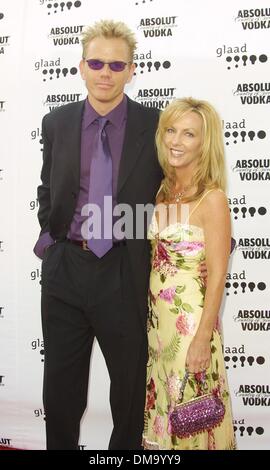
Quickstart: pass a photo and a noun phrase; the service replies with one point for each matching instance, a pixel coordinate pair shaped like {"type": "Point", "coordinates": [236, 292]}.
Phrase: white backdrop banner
{"type": "Point", "coordinates": [218, 51]}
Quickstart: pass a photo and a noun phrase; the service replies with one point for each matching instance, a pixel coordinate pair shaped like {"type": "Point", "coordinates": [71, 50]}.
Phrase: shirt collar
{"type": "Point", "coordinates": [116, 116]}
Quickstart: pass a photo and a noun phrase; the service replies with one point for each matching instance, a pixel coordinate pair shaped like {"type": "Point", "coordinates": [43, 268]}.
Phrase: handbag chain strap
{"type": "Point", "coordinates": [183, 385]}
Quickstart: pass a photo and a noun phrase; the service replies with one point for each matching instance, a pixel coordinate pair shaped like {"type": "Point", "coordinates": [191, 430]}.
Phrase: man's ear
{"type": "Point", "coordinates": [82, 69]}
{"type": "Point", "coordinates": [131, 72]}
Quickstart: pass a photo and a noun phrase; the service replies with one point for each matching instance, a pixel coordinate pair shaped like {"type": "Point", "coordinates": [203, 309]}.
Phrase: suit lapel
{"type": "Point", "coordinates": [133, 143]}
{"type": "Point", "coordinates": [132, 147]}
{"type": "Point", "coordinates": [72, 129]}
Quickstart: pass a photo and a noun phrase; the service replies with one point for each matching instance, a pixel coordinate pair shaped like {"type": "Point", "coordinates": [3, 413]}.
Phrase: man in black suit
{"type": "Point", "coordinates": [85, 295]}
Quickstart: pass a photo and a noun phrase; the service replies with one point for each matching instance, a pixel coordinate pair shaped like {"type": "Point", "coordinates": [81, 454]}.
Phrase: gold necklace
{"type": "Point", "coordinates": [176, 197]}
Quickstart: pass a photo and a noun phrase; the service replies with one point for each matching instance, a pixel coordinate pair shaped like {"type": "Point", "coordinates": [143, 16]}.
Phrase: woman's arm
{"type": "Point", "coordinates": [217, 232]}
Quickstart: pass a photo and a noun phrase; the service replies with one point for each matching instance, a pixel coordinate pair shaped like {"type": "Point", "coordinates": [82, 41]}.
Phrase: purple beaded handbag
{"type": "Point", "coordinates": [200, 414]}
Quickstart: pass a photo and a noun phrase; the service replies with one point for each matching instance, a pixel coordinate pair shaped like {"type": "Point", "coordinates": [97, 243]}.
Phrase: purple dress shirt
{"type": "Point", "coordinates": [115, 130]}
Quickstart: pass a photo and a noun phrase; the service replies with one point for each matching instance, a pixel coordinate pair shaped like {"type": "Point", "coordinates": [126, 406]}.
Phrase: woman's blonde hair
{"type": "Point", "coordinates": [109, 29]}
{"type": "Point", "coordinates": [210, 172]}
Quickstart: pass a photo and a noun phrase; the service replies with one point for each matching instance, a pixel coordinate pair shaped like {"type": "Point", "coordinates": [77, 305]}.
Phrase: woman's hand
{"type": "Point", "coordinates": [198, 355]}
{"type": "Point", "coordinates": [203, 272]}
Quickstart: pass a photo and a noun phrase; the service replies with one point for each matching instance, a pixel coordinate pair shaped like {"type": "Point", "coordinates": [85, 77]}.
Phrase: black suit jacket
{"type": "Point", "coordinates": [138, 182]}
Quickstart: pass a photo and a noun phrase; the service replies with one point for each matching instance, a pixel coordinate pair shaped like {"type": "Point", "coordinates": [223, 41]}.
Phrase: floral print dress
{"type": "Point", "coordinates": [176, 297]}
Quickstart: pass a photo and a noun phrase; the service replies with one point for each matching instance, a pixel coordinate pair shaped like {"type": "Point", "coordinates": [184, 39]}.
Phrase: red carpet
{"type": "Point", "coordinates": [7, 448]}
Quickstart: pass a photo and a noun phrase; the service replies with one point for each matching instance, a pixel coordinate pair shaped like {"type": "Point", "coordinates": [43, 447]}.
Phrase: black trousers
{"type": "Point", "coordinates": [85, 297]}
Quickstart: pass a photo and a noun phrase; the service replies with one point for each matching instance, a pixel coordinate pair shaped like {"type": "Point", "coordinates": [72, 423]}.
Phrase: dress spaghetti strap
{"type": "Point", "coordinates": [160, 189]}
{"type": "Point", "coordinates": [198, 203]}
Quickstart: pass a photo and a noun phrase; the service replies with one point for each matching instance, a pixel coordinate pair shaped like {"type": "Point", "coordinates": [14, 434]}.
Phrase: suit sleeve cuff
{"type": "Point", "coordinates": [45, 240]}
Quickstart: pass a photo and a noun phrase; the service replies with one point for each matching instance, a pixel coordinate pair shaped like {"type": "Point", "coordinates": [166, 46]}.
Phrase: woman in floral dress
{"type": "Point", "coordinates": [191, 223]}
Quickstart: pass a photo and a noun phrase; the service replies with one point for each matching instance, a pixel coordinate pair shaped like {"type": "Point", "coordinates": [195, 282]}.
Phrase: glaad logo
{"type": "Point", "coordinates": [37, 135]}
{"type": "Point", "coordinates": [38, 344]}
{"type": "Point", "coordinates": [51, 69]}
{"type": "Point", "coordinates": [257, 18]}
{"type": "Point", "coordinates": [235, 356]}
{"type": "Point", "coordinates": [55, 101]}
{"type": "Point", "coordinates": [235, 281]}
{"type": "Point", "coordinates": [254, 395]}
{"type": "Point", "coordinates": [143, 2]}
{"type": "Point", "coordinates": [4, 42]}
{"type": "Point", "coordinates": [2, 380]}
{"type": "Point", "coordinates": [1, 16]}
{"type": "Point", "coordinates": [1, 245]}
{"type": "Point", "coordinates": [238, 207]}
{"type": "Point", "coordinates": [35, 275]}
{"type": "Point", "coordinates": [236, 132]}
{"type": "Point", "coordinates": [254, 248]}
{"type": "Point", "coordinates": [66, 35]}
{"type": "Point", "coordinates": [39, 413]}
{"type": "Point", "coordinates": [1, 312]}
{"type": "Point", "coordinates": [155, 97]}
{"type": "Point", "coordinates": [2, 107]}
{"type": "Point", "coordinates": [246, 60]}
{"type": "Point", "coordinates": [253, 93]}
{"type": "Point", "coordinates": [33, 204]}
{"type": "Point", "coordinates": [55, 7]}
{"type": "Point", "coordinates": [242, 430]}
{"type": "Point", "coordinates": [144, 63]}
{"type": "Point", "coordinates": [233, 57]}
{"type": "Point", "coordinates": [253, 169]}
{"type": "Point", "coordinates": [253, 320]}
{"type": "Point", "coordinates": [157, 27]}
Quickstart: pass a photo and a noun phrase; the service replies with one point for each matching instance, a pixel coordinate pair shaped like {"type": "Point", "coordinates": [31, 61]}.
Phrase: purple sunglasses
{"type": "Point", "coordinates": [115, 66]}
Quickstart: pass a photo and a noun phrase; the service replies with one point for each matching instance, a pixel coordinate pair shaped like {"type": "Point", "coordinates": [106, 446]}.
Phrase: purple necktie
{"type": "Point", "coordinates": [100, 185]}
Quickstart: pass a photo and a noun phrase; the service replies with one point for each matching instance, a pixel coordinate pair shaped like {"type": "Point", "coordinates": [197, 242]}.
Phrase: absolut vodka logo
{"type": "Point", "coordinates": [4, 441]}
{"type": "Point", "coordinates": [254, 248]}
{"type": "Point", "coordinates": [254, 18]}
{"type": "Point", "coordinates": [56, 100]}
{"type": "Point", "coordinates": [162, 26]}
{"type": "Point", "coordinates": [254, 394]}
{"type": "Point", "coordinates": [156, 97]}
{"type": "Point", "coordinates": [66, 35]}
{"type": "Point", "coordinates": [257, 169]}
{"type": "Point", "coordinates": [4, 44]}
{"type": "Point", "coordinates": [255, 319]}
{"type": "Point", "coordinates": [253, 93]}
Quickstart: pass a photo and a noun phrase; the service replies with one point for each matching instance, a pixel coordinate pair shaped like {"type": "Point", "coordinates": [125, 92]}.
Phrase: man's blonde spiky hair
{"type": "Point", "coordinates": [109, 29]}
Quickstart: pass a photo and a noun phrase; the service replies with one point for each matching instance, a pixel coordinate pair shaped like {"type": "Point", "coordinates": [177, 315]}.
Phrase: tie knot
{"type": "Point", "coordinates": [102, 122]}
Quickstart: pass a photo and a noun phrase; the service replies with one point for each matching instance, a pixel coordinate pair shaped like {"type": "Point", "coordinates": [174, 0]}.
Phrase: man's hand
{"type": "Point", "coordinates": [203, 272]}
